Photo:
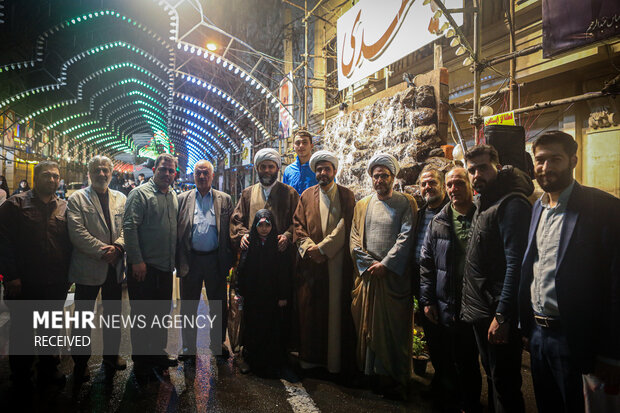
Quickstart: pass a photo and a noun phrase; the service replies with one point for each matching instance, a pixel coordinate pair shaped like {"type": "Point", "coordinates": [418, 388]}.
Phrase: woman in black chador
{"type": "Point", "coordinates": [263, 282]}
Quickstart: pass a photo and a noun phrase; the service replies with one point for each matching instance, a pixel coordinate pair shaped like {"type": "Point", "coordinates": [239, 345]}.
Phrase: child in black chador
{"type": "Point", "coordinates": [263, 282]}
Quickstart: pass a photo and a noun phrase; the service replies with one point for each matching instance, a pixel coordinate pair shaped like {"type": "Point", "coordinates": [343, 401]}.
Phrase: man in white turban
{"type": "Point", "coordinates": [323, 280]}
{"type": "Point", "coordinates": [321, 156]}
{"type": "Point", "coordinates": [386, 160]}
{"type": "Point", "coordinates": [267, 154]}
{"type": "Point", "coordinates": [280, 199]}
{"type": "Point", "coordinates": [268, 193]}
{"type": "Point", "coordinates": [380, 245]}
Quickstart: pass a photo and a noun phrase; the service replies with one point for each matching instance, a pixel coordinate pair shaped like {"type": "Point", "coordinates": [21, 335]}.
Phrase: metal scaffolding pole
{"type": "Point", "coordinates": [475, 119]}
{"type": "Point", "coordinates": [306, 64]}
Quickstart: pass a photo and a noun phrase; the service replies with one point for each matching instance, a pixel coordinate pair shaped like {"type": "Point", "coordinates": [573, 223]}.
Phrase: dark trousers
{"type": "Point", "coordinates": [433, 342]}
{"type": "Point", "coordinates": [149, 344]}
{"type": "Point", "coordinates": [455, 356]}
{"type": "Point", "coordinates": [204, 268]}
{"type": "Point", "coordinates": [558, 385]}
{"type": "Point", "coordinates": [21, 338]}
{"type": "Point", "coordinates": [85, 296]}
{"type": "Point", "coordinates": [502, 363]}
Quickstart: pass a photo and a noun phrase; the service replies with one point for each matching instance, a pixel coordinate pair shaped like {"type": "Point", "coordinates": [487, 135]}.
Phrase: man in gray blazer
{"type": "Point", "coordinates": [204, 254]}
{"type": "Point", "coordinates": [95, 221]}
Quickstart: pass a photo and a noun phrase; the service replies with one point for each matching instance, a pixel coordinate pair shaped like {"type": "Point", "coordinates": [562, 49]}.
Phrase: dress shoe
{"type": "Point", "coordinates": [115, 362]}
{"type": "Point", "coordinates": [53, 377]}
{"type": "Point", "coordinates": [244, 367]}
{"type": "Point", "coordinates": [225, 353]}
{"type": "Point", "coordinates": [187, 354]}
{"type": "Point", "coordinates": [222, 358]}
{"type": "Point", "coordinates": [21, 383]}
{"type": "Point", "coordinates": [81, 374]}
{"type": "Point", "coordinates": [165, 362]}
{"type": "Point", "coordinates": [286, 373]}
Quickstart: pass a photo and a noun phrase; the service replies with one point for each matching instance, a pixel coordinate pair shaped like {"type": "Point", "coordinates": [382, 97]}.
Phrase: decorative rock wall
{"type": "Point", "coordinates": [404, 125]}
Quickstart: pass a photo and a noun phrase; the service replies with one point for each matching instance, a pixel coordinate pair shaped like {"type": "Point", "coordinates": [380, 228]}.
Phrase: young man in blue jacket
{"type": "Point", "coordinates": [298, 174]}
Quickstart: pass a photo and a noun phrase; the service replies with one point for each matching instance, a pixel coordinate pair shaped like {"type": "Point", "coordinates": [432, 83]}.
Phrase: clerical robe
{"type": "Point", "coordinates": [281, 201]}
{"type": "Point", "coordinates": [382, 307]}
{"type": "Point", "coordinates": [325, 326]}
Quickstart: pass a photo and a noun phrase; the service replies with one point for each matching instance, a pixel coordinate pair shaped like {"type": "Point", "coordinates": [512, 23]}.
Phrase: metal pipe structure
{"type": "Point", "coordinates": [485, 95]}
{"type": "Point", "coordinates": [513, 55]}
{"type": "Point", "coordinates": [458, 130]}
{"type": "Point", "coordinates": [306, 65]}
{"type": "Point", "coordinates": [513, 61]}
{"type": "Point", "coordinates": [560, 102]}
{"type": "Point", "coordinates": [475, 118]}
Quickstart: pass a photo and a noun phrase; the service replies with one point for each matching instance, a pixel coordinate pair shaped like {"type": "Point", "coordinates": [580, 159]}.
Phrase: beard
{"type": "Point", "coordinates": [47, 188]}
{"type": "Point", "coordinates": [267, 179]}
{"type": "Point", "coordinates": [325, 181]}
{"type": "Point", "coordinates": [100, 184]}
{"type": "Point", "coordinates": [432, 198]}
{"type": "Point", "coordinates": [480, 185]}
{"type": "Point", "coordinates": [555, 181]}
{"type": "Point", "coordinates": [383, 188]}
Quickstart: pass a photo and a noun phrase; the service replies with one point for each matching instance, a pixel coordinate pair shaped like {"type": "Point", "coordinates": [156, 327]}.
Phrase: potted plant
{"type": "Point", "coordinates": [420, 357]}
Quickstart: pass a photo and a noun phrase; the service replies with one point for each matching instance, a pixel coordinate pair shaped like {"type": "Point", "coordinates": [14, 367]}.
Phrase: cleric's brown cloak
{"type": "Point", "coordinates": [312, 280]}
{"type": "Point", "coordinates": [282, 202]}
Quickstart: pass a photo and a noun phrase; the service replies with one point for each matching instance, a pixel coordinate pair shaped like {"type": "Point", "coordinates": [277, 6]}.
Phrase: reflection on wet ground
{"type": "Point", "coordinates": [209, 385]}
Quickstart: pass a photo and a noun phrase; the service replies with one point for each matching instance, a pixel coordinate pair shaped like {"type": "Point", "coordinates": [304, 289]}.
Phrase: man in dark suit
{"type": "Point", "coordinates": [204, 253]}
{"type": "Point", "coordinates": [569, 298]}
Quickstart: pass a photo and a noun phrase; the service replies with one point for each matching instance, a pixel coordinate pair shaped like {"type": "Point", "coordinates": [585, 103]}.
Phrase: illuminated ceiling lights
{"type": "Point", "coordinates": [42, 39]}
{"type": "Point", "coordinates": [231, 124]}
{"type": "Point", "coordinates": [206, 121]}
{"type": "Point", "coordinates": [225, 96]}
{"type": "Point", "coordinates": [214, 111]}
{"type": "Point", "coordinates": [235, 69]}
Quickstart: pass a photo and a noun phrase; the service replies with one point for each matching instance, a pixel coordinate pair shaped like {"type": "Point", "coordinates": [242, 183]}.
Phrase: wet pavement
{"type": "Point", "coordinates": [209, 386]}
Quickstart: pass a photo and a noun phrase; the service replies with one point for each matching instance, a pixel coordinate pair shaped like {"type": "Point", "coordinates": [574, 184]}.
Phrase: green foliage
{"type": "Point", "coordinates": [419, 343]}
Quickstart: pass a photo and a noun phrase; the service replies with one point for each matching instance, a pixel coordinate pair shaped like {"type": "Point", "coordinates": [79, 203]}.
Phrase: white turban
{"type": "Point", "coordinates": [267, 154]}
{"type": "Point", "coordinates": [321, 156]}
{"type": "Point", "coordinates": [384, 159]}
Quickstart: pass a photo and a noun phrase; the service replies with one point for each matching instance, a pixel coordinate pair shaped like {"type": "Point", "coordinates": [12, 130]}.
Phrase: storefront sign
{"type": "Point", "coordinates": [568, 24]}
{"type": "Point", "coordinates": [506, 118]}
{"type": "Point", "coordinates": [227, 160]}
{"type": "Point", "coordinates": [246, 152]}
{"type": "Point", "coordinates": [374, 34]}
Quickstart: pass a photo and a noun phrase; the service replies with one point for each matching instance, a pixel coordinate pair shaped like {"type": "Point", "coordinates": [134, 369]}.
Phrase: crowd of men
{"type": "Point", "coordinates": [491, 272]}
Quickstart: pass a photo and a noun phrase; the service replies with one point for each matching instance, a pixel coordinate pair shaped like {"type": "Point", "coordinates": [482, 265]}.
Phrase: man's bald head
{"type": "Point", "coordinates": [458, 171]}
{"type": "Point", "coordinates": [459, 188]}
{"type": "Point", "coordinates": [203, 163]}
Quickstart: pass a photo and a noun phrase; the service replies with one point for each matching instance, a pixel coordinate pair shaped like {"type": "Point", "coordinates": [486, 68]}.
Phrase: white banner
{"type": "Point", "coordinates": [373, 34]}
{"type": "Point", "coordinates": [286, 97]}
{"type": "Point", "coordinates": [246, 152]}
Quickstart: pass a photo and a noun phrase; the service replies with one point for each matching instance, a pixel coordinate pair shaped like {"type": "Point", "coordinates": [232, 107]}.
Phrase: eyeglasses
{"type": "Point", "coordinates": [55, 177]}
{"type": "Point", "coordinates": [383, 177]}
